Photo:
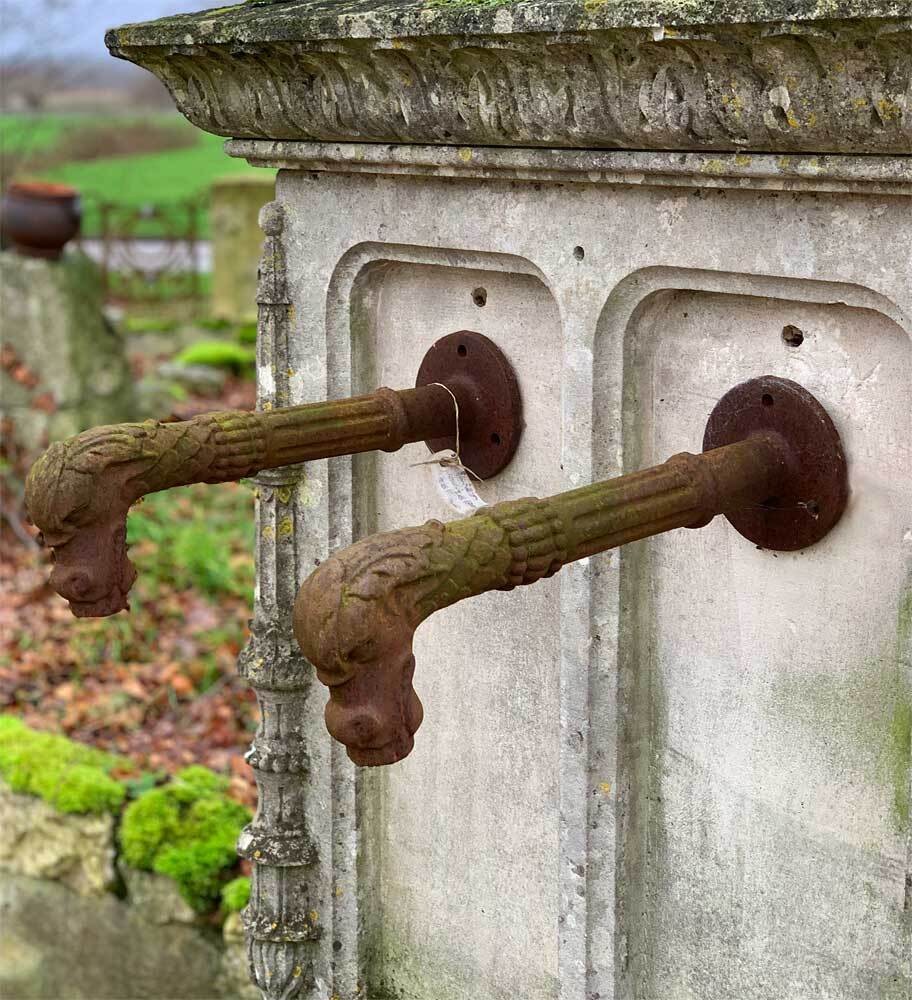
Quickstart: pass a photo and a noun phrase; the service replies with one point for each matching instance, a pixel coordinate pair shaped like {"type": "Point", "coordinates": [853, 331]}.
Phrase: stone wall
{"type": "Point", "coordinates": [236, 243]}
{"type": "Point", "coordinates": [63, 366]}
{"type": "Point", "coordinates": [78, 925]}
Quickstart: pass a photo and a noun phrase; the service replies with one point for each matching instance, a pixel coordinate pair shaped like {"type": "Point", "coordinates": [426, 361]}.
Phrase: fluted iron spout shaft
{"type": "Point", "coordinates": [687, 491]}
{"type": "Point", "coordinates": [79, 492]}
{"type": "Point", "coordinates": [355, 617]}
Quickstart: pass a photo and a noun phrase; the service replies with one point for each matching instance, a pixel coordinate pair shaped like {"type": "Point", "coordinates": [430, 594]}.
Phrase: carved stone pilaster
{"type": "Point", "coordinates": [273, 308]}
{"type": "Point", "coordinates": [281, 920]}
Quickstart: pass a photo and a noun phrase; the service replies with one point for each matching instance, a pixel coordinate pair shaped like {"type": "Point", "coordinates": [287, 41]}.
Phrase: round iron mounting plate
{"type": "Point", "coordinates": [478, 373]}
{"type": "Point", "coordinates": [818, 491]}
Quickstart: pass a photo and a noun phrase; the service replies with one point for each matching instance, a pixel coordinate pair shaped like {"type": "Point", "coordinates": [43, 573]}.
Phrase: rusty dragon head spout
{"type": "Point", "coordinates": [355, 619]}
{"type": "Point", "coordinates": [78, 495]}
{"type": "Point", "coordinates": [92, 570]}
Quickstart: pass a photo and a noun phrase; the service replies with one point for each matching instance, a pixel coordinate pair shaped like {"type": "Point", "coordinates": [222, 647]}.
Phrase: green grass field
{"type": "Point", "coordinates": [151, 178]}
{"type": "Point", "coordinates": [33, 133]}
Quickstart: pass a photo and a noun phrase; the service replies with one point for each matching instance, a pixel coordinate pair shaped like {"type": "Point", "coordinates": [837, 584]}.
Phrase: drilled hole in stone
{"type": "Point", "coordinates": [462, 350]}
{"type": "Point", "coordinates": [782, 118]}
{"type": "Point", "coordinates": [813, 508]}
{"type": "Point", "coordinates": [792, 336]}
{"type": "Point", "coordinates": [579, 253]}
{"type": "Point", "coordinates": [766, 399]}
{"type": "Point", "coordinates": [480, 296]}
{"type": "Point", "coordinates": [495, 439]}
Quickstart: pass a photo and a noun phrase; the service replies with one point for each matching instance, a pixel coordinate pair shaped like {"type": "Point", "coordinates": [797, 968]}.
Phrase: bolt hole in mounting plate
{"type": "Point", "coordinates": [819, 491]}
{"type": "Point", "coordinates": [478, 373]}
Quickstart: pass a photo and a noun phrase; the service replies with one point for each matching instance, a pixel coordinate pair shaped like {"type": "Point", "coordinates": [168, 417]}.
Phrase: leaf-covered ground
{"type": "Point", "coordinates": [157, 684]}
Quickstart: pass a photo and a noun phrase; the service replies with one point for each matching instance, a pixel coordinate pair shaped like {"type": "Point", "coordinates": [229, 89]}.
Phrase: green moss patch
{"type": "Point", "coordinates": [236, 894]}
{"type": "Point", "coordinates": [237, 358]}
{"type": "Point", "coordinates": [186, 830]}
{"type": "Point", "coordinates": [860, 720]}
{"type": "Point", "coordinates": [69, 776]}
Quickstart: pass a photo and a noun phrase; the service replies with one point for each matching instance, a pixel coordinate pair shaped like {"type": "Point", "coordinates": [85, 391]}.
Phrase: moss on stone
{"type": "Point", "coordinates": [68, 776]}
{"type": "Point", "coordinates": [865, 714]}
{"type": "Point", "coordinates": [898, 751]}
{"type": "Point", "coordinates": [898, 757]}
{"type": "Point", "coordinates": [186, 830]}
{"type": "Point", "coordinates": [236, 894]}
{"type": "Point", "coordinates": [287, 20]}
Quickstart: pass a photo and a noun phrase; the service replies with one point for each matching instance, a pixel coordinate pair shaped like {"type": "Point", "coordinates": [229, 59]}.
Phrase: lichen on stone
{"type": "Point", "coordinates": [68, 776]}
{"type": "Point", "coordinates": [186, 830]}
{"type": "Point", "coordinates": [470, 3]}
{"type": "Point", "coordinates": [275, 20]}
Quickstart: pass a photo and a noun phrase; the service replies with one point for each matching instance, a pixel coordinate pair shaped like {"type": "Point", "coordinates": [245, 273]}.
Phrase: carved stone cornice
{"type": "Point", "coordinates": [833, 77]}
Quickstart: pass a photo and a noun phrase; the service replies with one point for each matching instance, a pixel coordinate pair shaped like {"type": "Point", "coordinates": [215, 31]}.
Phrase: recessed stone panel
{"type": "Point", "coordinates": [766, 695]}
{"type": "Point", "coordinates": [463, 834]}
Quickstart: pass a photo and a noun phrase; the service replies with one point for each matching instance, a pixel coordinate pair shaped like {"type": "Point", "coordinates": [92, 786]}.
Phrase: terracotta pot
{"type": "Point", "coordinates": [39, 219]}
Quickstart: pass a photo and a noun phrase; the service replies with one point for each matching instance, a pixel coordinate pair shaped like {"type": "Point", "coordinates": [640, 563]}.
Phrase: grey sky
{"type": "Point", "coordinates": [78, 26]}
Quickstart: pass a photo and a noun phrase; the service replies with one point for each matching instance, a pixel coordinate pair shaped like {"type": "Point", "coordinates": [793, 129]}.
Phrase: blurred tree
{"type": "Point", "coordinates": [33, 57]}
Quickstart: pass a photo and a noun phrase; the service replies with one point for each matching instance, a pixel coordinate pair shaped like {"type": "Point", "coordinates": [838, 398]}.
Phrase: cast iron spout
{"type": "Point", "coordinates": [773, 465]}
{"type": "Point", "coordinates": [356, 616]}
{"type": "Point", "coordinates": [79, 492]}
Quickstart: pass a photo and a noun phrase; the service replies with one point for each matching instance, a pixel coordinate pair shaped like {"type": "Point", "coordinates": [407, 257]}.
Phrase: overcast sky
{"type": "Point", "coordinates": [78, 26]}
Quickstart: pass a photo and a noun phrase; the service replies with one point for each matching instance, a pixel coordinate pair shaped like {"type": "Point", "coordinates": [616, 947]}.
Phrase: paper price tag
{"type": "Point", "coordinates": [453, 483]}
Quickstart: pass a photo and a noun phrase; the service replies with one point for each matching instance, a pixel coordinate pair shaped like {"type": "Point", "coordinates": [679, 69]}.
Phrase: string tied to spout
{"type": "Point", "coordinates": [452, 476]}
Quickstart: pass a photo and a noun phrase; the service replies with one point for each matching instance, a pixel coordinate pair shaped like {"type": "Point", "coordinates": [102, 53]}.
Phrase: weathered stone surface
{"type": "Point", "coordinates": [694, 782]}
{"type": "Point", "coordinates": [58, 945]}
{"type": "Point", "coordinates": [236, 243]}
{"type": "Point", "coordinates": [767, 75]}
{"type": "Point", "coordinates": [290, 20]}
{"type": "Point", "coordinates": [157, 898]}
{"type": "Point", "coordinates": [38, 841]}
{"type": "Point", "coordinates": [54, 325]}
{"type": "Point", "coordinates": [674, 801]}
{"type": "Point", "coordinates": [885, 175]}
